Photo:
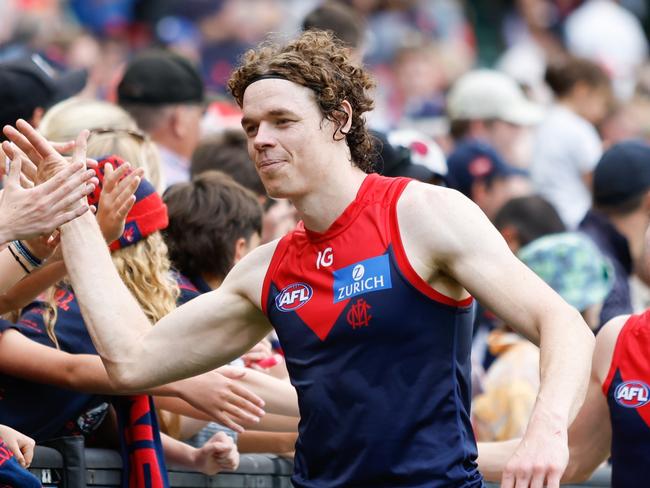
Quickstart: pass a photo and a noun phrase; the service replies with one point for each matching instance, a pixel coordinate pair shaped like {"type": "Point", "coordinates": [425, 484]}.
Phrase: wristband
{"type": "Point", "coordinates": [25, 253]}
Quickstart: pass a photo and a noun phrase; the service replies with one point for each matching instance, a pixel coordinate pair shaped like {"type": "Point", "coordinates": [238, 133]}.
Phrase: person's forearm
{"type": "Point", "coordinates": [279, 396]}
{"type": "Point", "coordinates": [181, 407]}
{"type": "Point", "coordinates": [566, 348]}
{"type": "Point", "coordinates": [271, 442]}
{"type": "Point", "coordinates": [87, 373]}
{"type": "Point", "coordinates": [277, 423]}
{"type": "Point", "coordinates": [117, 329]}
{"type": "Point", "coordinates": [26, 291]}
{"type": "Point", "coordinates": [177, 452]}
{"type": "Point", "coordinates": [10, 270]}
{"type": "Point", "coordinates": [493, 457]}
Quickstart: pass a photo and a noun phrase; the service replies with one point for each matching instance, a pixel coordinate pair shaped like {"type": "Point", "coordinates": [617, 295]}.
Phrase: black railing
{"type": "Point", "coordinates": [66, 463]}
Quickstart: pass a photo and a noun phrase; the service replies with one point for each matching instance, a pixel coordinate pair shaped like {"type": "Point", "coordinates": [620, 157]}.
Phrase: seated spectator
{"type": "Point", "coordinates": [567, 146]}
{"type": "Point", "coordinates": [213, 223]}
{"type": "Point", "coordinates": [619, 216]}
{"type": "Point", "coordinates": [572, 265]}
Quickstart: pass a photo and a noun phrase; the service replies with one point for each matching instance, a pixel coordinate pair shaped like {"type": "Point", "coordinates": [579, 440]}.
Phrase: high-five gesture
{"type": "Point", "coordinates": [42, 153]}
{"type": "Point", "coordinates": [28, 212]}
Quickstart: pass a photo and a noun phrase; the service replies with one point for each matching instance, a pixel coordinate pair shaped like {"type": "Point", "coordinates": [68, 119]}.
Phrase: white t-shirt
{"type": "Point", "coordinates": [565, 148]}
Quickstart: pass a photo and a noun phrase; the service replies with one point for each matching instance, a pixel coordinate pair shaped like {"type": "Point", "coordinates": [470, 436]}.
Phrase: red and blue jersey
{"type": "Point", "coordinates": [627, 388]}
{"type": "Point", "coordinates": [380, 360]}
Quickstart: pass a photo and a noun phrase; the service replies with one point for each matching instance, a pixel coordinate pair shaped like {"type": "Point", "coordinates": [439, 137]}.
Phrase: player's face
{"type": "Point", "coordinates": [288, 138]}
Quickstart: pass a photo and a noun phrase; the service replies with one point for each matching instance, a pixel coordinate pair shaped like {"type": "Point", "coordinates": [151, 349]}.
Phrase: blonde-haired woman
{"type": "Point", "coordinates": [112, 131]}
{"type": "Point", "coordinates": [48, 353]}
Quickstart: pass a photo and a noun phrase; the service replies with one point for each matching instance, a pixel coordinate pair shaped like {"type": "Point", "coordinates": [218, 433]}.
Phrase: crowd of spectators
{"type": "Point", "coordinates": [537, 110]}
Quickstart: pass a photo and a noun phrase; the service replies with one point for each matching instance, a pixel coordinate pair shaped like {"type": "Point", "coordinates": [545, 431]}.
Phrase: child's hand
{"type": "Point", "coordinates": [21, 445]}
{"type": "Point", "coordinates": [219, 453]}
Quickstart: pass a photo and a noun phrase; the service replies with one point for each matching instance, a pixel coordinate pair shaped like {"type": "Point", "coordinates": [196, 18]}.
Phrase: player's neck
{"type": "Point", "coordinates": [321, 207]}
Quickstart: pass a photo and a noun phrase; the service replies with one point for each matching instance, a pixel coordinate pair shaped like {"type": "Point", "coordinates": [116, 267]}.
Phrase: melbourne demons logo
{"type": "Point", "coordinates": [359, 315]}
{"type": "Point", "coordinates": [293, 297]}
{"type": "Point", "coordinates": [632, 394]}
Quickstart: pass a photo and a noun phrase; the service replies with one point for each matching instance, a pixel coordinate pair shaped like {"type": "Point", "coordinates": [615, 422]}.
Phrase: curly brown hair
{"type": "Point", "coordinates": [319, 62]}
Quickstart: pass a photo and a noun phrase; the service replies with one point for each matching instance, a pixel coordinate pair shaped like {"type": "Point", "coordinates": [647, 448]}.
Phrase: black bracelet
{"type": "Point", "coordinates": [29, 257]}
{"type": "Point", "coordinates": [18, 260]}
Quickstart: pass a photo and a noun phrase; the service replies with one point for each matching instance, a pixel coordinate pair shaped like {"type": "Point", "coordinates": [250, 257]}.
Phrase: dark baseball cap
{"type": "Point", "coordinates": [622, 172]}
{"type": "Point", "coordinates": [474, 160]}
{"type": "Point", "coordinates": [29, 82]}
{"type": "Point", "coordinates": [159, 77]}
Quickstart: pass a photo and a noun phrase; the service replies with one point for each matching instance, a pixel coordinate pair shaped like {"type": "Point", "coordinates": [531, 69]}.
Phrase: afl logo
{"type": "Point", "coordinates": [293, 297]}
{"type": "Point", "coordinates": [632, 394]}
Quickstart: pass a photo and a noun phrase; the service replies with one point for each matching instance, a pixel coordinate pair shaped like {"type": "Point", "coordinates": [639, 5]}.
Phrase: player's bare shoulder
{"type": "Point", "coordinates": [247, 276]}
{"type": "Point", "coordinates": [606, 344]}
{"type": "Point", "coordinates": [437, 217]}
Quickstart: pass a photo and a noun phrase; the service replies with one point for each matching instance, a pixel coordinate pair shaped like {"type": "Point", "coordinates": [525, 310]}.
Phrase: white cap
{"type": "Point", "coordinates": [424, 150]}
{"type": "Point", "coordinates": [489, 94]}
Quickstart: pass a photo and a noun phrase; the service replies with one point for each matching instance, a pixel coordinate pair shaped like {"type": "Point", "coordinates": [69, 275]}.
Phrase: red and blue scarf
{"type": "Point", "coordinates": [141, 447]}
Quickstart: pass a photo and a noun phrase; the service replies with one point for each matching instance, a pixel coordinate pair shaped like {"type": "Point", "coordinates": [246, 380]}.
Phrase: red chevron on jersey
{"type": "Point", "coordinates": [319, 296]}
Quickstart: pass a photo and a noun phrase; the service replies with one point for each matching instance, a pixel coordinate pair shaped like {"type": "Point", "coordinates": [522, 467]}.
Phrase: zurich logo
{"type": "Point", "coordinates": [369, 275]}
{"type": "Point", "coordinates": [293, 297]}
{"type": "Point", "coordinates": [632, 394]}
{"type": "Point", "coordinates": [358, 272]}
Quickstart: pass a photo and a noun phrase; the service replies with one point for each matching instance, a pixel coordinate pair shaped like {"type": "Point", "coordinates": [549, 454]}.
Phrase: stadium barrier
{"type": "Point", "coordinates": [67, 463]}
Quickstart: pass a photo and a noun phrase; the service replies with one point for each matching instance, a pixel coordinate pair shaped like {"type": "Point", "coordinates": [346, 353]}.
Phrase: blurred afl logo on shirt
{"type": "Point", "coordinates": [369, 275]}
{"type": "Point", "coordinates": [632, 394]}
{"type": "Point", "coordinates": [293, 297]}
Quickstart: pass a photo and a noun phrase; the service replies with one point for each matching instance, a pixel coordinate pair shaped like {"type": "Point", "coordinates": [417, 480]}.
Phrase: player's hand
{"type": "Point", "coordinates": [40, 209]}
{"type": "Point", "coordinates": [218, 454]}
{"type": "Point", "coordinates": [117, 199]}
{"type": "Point", "coordinates": [541, 457]}
{"type": "Point", "coordinates": [21, 445]}
{"type": "Point", "coordinates": [223, 399]}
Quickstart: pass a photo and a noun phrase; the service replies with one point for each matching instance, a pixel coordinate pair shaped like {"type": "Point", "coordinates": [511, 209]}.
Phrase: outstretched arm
{"type": "Point", "coordinates": [197, 337]}
{"type": "Point", "coordinates": [215, 396]}
{"type": "Point", "coordinates": [458, 245]}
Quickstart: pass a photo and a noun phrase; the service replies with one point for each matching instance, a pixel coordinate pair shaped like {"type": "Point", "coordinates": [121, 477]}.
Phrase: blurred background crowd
{"type": "Point", "coordinates": [537, 110]}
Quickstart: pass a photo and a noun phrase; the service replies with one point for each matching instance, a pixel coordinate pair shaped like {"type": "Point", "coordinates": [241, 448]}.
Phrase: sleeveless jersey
{"type": "Point", "coordinates": [380, 360]}
{"type": "Point", "coordinates": [628, 396]}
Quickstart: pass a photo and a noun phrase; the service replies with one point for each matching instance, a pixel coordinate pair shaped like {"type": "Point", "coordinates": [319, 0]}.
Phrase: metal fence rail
{"type": "Point", "coordinates": [66, 463]}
